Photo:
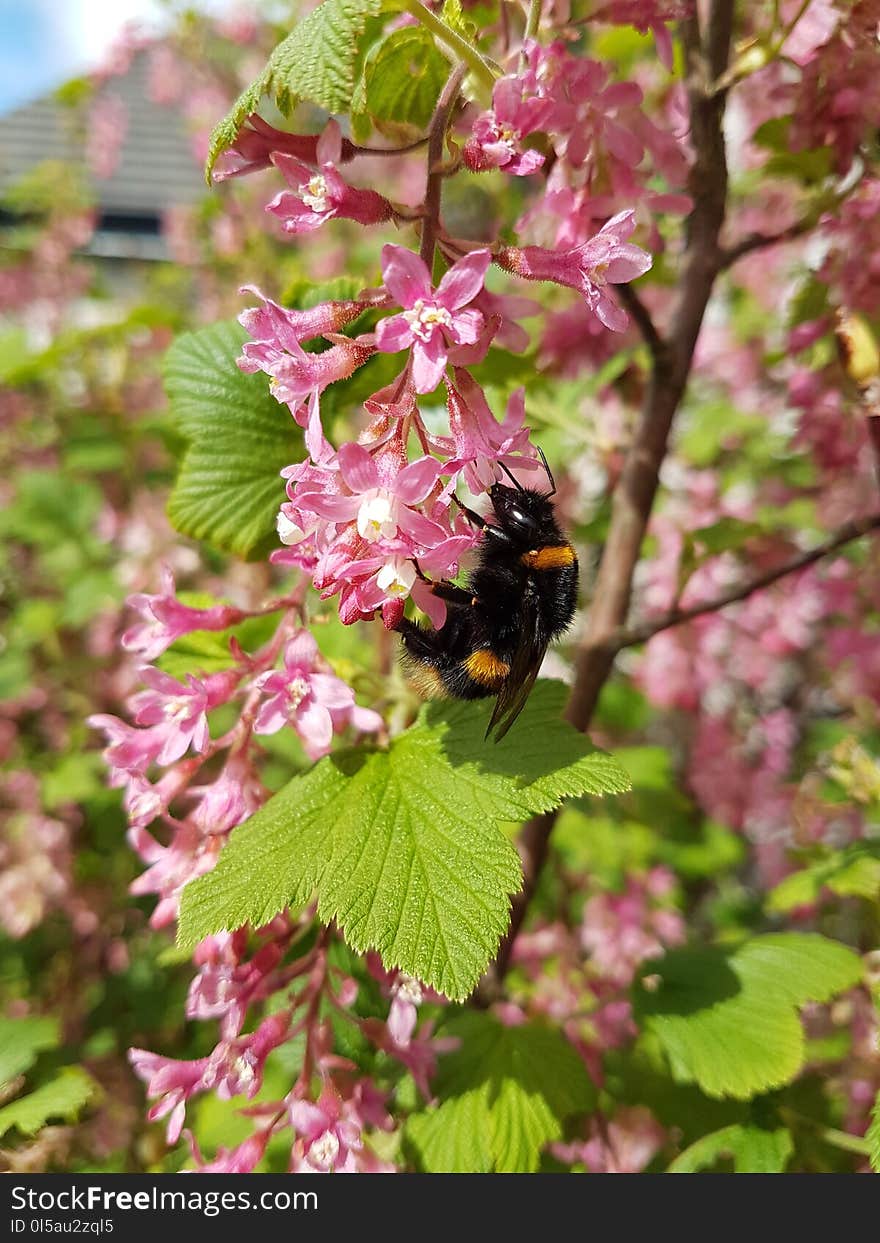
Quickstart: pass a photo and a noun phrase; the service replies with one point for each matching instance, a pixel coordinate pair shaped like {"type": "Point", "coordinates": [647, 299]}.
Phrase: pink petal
{"type": "Point", "coordinates": [428, 362]}
{"type": "Point", "coordinates": [294, 172]}
{"type": "Point", "coordinates": [621, 225]}
{"type": "Point", "coordinates": [393, 334]}
{"type": "Point", "coordinates": [627, 264]}
{"type": "Point", "coordinates": [611, 314]}
{"type": "Point", "coordinates": [331, 692]}
{"type": "Point", "coordinates": [405, 275]}
{"type": "Point", "coordinates": [329, 149]}
{"type": "Point", "coordinates": [357, 468]}
{"type": "Point", "coordinates": [467, 326]}
{"type": "Point", "coordinates": [416, 480]}
{"type": "Point", "coordinates": [425, 599]}
{"type": "Point", "coordinates": [301, 651]}
{"type": "Point", "coordinates": [464, 280]}
{"type": "Point", "coordinates": [314, 725]}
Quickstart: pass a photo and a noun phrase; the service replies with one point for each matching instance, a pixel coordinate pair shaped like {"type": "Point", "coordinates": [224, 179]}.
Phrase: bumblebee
{"type": "Point", "coordinates": [521, 595]}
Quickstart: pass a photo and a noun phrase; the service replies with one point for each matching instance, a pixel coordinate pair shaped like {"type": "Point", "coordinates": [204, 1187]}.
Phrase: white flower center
{"type": "Point", "coordinates": [314, 193]}
{"type": "Point", "coordinates": [409, 989]}
{"type": "Point", "coordinates": [396, 578]}
{"type": "Point", "coordinates": [324, 1150]}
{"type": "Point", "coordinates": [376, 517]}
{"type": "Point", "coordinates": [506, 134]}
{"type": "Point", "coordinates": [423, 318]}
{"type": "Point", "coordinates": [296, 693]}
{"type": "Point", "coordinates": [177, 708]}
{"type": "Point", "coordinates": [244, 1069]}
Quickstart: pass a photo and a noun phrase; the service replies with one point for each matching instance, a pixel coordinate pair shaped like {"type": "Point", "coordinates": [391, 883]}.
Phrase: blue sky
{"type": "Point", "coordinates": [45, 42]}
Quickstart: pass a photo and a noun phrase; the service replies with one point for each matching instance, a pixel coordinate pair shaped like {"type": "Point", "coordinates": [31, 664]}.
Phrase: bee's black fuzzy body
{"type": "Point", "coordinates": [520, 597]}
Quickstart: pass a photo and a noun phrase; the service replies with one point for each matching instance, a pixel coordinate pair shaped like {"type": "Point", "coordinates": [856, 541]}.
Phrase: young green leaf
{"type": "Point", "coordinates": [401, 81]}
{"type": "Point", "coordinates": [228, 490]}
{"type": "Point", "coordinates": [21, 1040]}
{"type": "Point", "coordinates": [62, 1097]}
{"type": "Point", "coordinates": [404, 847]}
{"type": "Point", "coordinates": [318, 61]}
{"type": "Point", "coordinates": [729, 1021]}
{"type": "Point", "coordinates": [754, 1149]}
{"type": "Point", "coordinates": [505, 1093]}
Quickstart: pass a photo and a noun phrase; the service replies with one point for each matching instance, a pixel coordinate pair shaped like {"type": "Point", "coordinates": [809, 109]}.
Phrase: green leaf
{"type": "Point", "coordinates": [754, 1149]}
{"type": "Point", "coordinates": [318, 61]}
{"type": "Point", "coordinates": [21, 1040]}
{"type": "Point", "coordinates": [404, 847]}
{"type": "Point", "coordinates": [851, 872]}
{"type": "Point", "coordinates": [228, 490]}
{"type": "Point", "coordinates": [505, 1093]}
{"type": "Point", "coordinates": [63, 1097]}
{"type": "Point", "coordinates": [729, 1021]}
{"type": "Point", "coordinates": [401, 82]}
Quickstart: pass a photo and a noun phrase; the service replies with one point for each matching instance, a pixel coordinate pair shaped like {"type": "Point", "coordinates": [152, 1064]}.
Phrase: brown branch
{"type": "Point", "coordinates": [642, 318]}
{"type": "Point", "coordinates": [706, 60]}
{"type": "Point", "coordinates": [436, 172]}
{"type": "Point", "coordinates": [761, 241]}
{"type": "Point", "coordinates": [676, 617]}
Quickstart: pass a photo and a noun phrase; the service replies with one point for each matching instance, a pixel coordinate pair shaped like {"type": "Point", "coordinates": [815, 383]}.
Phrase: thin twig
{"type": "Point", "coordinates": [436, 173]}
{"type": "Point", "coordinates": [761, 241]}
{"type": "Point", "coordinates": [676, 617]}
{"type": "Point", "coordinates": [642, 317]}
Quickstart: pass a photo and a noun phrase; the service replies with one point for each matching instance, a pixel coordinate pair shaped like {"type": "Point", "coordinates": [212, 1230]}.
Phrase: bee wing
{"type": "Point", "coordinates": [519, 682]}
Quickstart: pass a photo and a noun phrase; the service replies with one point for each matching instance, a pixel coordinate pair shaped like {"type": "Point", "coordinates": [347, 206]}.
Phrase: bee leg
{"type": "Point", "coordinates": [444, 590]}
{"type": "Point", "coordinates": [472, 516]}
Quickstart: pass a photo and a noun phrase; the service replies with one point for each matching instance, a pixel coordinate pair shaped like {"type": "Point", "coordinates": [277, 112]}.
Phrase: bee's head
{"type": "Point", "coordinates": [522, 512]}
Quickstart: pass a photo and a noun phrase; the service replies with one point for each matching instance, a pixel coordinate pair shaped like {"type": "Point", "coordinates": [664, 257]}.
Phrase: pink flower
{"type": "Point", "coordinates": [256, 143]}
{"type": "Point", "coordinates": [498, 133]}
{"type": "Point", "coordinates": [481, 442]}
{"type": "Point", "coordinates": [607, 259]}
{"type": "Point", "coordinates": [166, 619]}
{"type": "Point", "coordinates": [431, 320]}
{"type": "Point", "coordinates": [330, 1134]}
{"type": "Point", "coordinates": [174, 1082]}
{"type": "Point", "coordinates": [177, 714]}
{"type": "Point", "coordinates": [316, 704]}
{"type": "Point", "coordinates": [296, 375]}
{"type": "Point", "coordinates": [242, 1159]}
{"type": "Point", "coordinates": [316, 197]}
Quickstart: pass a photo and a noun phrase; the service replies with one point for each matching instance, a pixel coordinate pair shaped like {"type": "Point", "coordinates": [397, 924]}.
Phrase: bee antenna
{"type": "Point", "coordinates": [552, 491]}
{"type": "Point", "coordinates": [516, 483]}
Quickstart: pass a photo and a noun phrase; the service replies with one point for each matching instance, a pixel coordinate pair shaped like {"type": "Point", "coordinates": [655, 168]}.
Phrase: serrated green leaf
{"type": "Point", "coordinates": [318, 61]}
{"type": "Point", "coordinates": [505, 1093]}
{"type": "Point", "coordinates": [754, 1149]}
{"type": "Point", "coordinates": [229, 487]}
{"type": "Point", "coordinates": [729, 1021]}
{"type": "Point", "coordinates": [401, 82]}
{"type": "Point", "coordinates": [21, 1040]}
{"type": "Point", "coordinates": [404, 847]}
{"type": "Point", "coordinates": [62, 1097]}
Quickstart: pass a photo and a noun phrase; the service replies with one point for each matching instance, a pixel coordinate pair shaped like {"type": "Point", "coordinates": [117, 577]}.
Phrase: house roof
{"type": "Point", "coordinates": [156, 168]}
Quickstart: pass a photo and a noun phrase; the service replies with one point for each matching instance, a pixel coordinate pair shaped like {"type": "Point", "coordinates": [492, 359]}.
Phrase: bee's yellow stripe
{"type": "Point", "coordinates": [425, 681]}
{"type": "Point", "coordinates": [485, 667]}
{"type": "Point", "coordinates": [551, 557]}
